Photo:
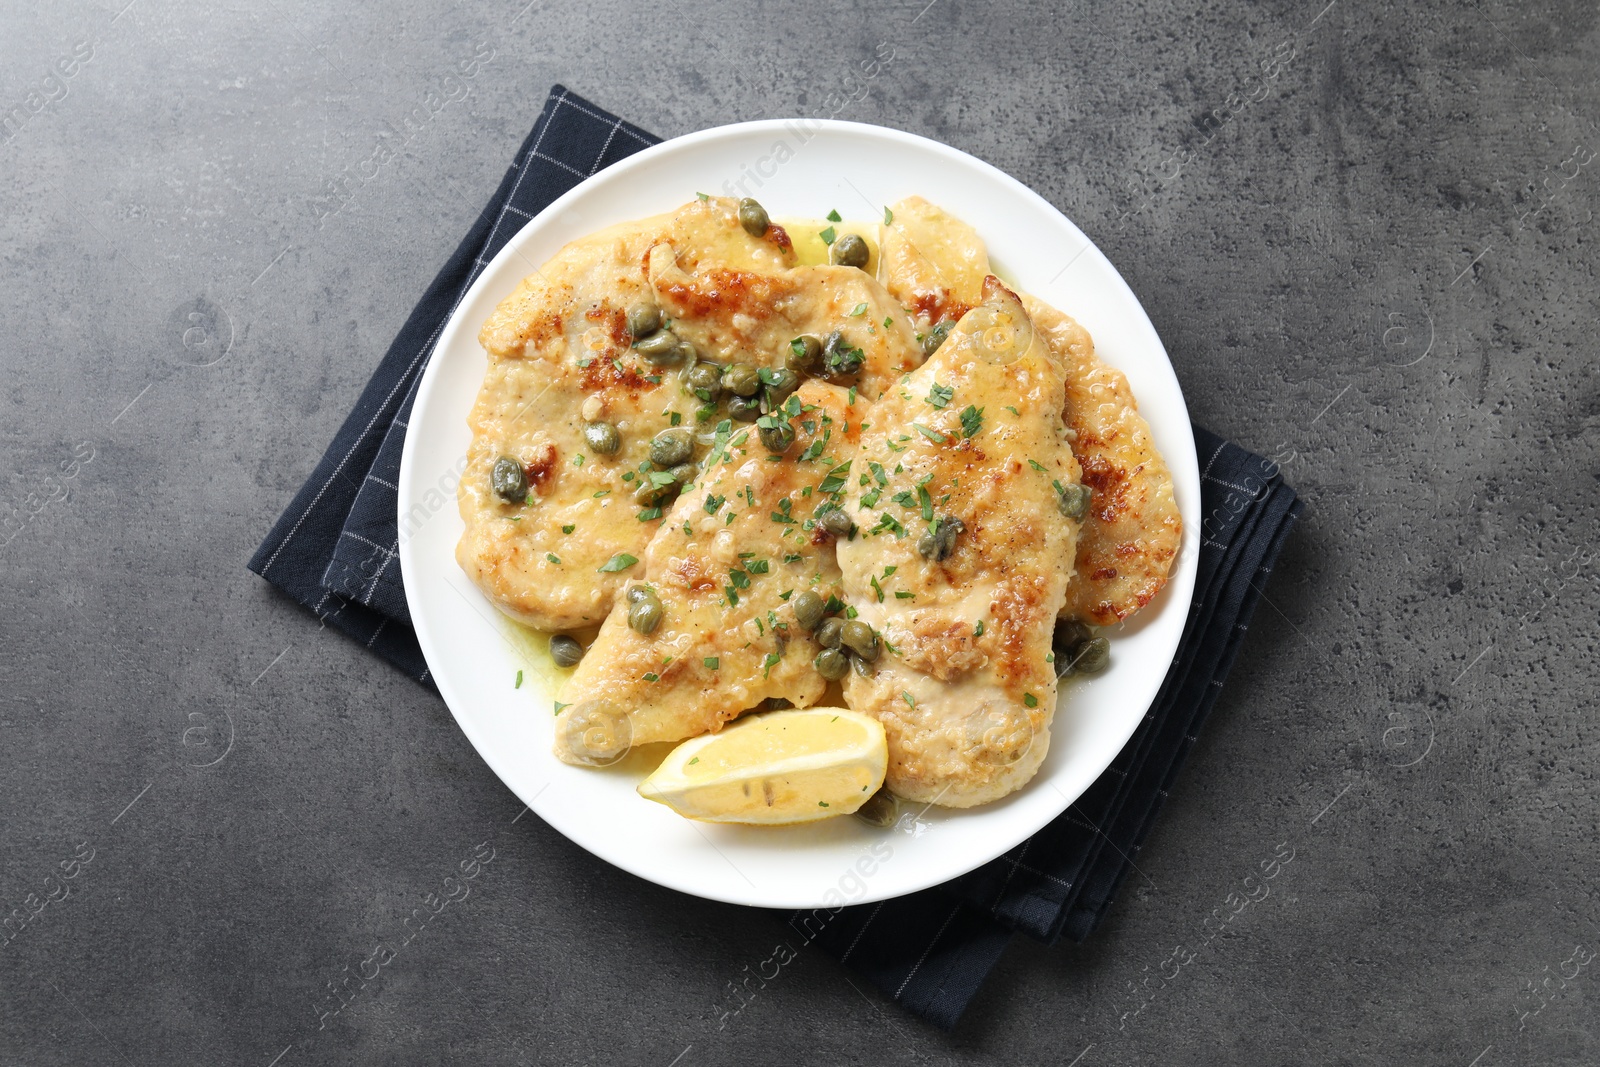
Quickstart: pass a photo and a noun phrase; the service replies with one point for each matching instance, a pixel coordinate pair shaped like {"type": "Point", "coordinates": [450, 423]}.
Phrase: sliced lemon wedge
{"type": "Point", "coordinates": [778, 767]}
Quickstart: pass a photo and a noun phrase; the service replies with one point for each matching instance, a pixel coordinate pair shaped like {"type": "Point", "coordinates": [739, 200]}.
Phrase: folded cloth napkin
{"type": "Point", "coordinates": [335, 551]}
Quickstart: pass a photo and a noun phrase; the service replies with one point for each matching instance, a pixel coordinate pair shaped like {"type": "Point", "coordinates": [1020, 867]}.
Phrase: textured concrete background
{"type": "Point", "coordinates": [1374, 261]}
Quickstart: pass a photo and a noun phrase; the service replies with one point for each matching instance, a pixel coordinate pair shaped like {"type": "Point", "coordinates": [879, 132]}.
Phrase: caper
{"type": "Point", "coordinates": [859, 638]}
{"type": "Point", "coordinates": [938, 544]}
{"type": "Point", "coordinates": [850, 251]}
{"type": "Point", "coordinates": [744, 408]}
{"type": "Point", "coordinates": [706, 381]}
{"type": "Point", "coordinates": [779, 384]}
{"type": "Point", "coordinates": [660, 348]}
{"type": "Point", "coordinates": [862, 667]}
{"type": "Point", "coordinates": [509, 480]}
{"type": "Point", "coordinates": [643, 320]}
{"type": "Point", "coordinates": [741, 379]}
{"type": "Point", "coordinates": [565, 650]}
{"type": "Point", "coordinates": [672, 447]}
{"type": "Point", "coordinates": [1092, 657]}
{"type": "Point", "coordinates": [684, 473]}
{"type": "Point", "coordinates": [650, 493]}
{"type": "Point", "coordinates": [687, 353]}
{"type": "Point", "coordinates": [805, 355]}
{"type": "Point", "coordinates": [935, 337]}
{"type": "Point", "coordinates": [777, 436]}
{"type": "Point", "coordinates": [832, 664]}
{"type": "Point", "coordinates": [836, 520]}
{"type": "Point", "coordinates": [645, 615]}
{"type": "Point", "coordinates": [808, 609]}
{"type": "Point", "coordinates": [636, 593]}
{"type": "Point", "coordinates": [830, 634]}
{"type": "Point", "coordinates": [840, 359]}
{"type": "Point", "coordinates": [1074, 501]}
{"type": "Point", "coordinates": [603, 438]}
{"type": "Point", "coordinates": [776, 704]}
{"type": "Point", "coordinates": [1069, 635]}
{"type": "Point", "coordinates": [881, 809]}
{"type": "Point", "coordinates": [753, 217]}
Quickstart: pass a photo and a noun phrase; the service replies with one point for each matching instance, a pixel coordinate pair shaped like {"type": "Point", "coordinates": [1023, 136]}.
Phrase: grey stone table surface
{"type": "Point", "coordinates": [1366, 233]}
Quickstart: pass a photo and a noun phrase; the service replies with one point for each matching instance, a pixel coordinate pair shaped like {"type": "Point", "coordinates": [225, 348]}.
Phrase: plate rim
{"type": "Point", "coordinates": [1180, 584]}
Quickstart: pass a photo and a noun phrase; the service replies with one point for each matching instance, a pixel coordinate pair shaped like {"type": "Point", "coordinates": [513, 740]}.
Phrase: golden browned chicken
{"type": "Point", "coordinates": [707, 628]}
{"type": "Point", "coordinates": [1134, 530]}
{"type": "Point", "coordinates": [572, 407]}
{"type": "Point", "coordinates": [963, 488]}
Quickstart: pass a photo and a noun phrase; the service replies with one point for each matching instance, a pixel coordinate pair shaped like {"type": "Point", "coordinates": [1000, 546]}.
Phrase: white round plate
{"type": "Point", "coordinates": [475, 658]}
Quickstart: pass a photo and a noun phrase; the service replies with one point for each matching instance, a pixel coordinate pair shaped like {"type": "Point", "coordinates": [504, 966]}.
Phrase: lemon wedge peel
{"type": "Point", "coordinates": [775, 768]}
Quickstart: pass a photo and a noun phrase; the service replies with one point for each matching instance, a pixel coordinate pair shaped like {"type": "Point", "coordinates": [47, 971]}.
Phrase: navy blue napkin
{"type": "Point", "coordinates": [335, 551]}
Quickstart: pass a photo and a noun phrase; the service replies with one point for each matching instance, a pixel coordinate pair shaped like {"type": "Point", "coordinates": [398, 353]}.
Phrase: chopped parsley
{"type": "Point", "coordinates": [620, 562]}
{"type": "Point", "coordinates": [888, 216]}
{"type": "Point", "coordinates": [1036, 465]}
{"type": "Point", "coordinates": [675, 418]}
{"type": "Point", "coordinates": [835, 479]}
{"type": "Point", "coordinates": [652, 676]}
{"type": "Point", "coordinates": [977, 631]}
{"type": "Point", "coordinates": [650, 514]}
{"type": "Point", "coordinates": [859, 310]}
{"type": "Point", "coordinates": [769, 661]}
{"type": "Point", "coordinates": [569, 528]}
{"type": "Point", "coordinates": [828, 235]}
{"type": "Point", "coordinates": [560, 706]}
{"type": "Point", "coordinates": [712, 663]}
{"type": "Point", "coordinates": [939, 395]}
{"type": "Point", "coordinates": [552, 557]}
{"type": "Point", "coordinates": [887, 322]}
{"type": "Point", "coordinates": [933, 435]}
{"type": "Point", "coordinates": [876, 588]}
{"type": "Point", "coordinates": [1030, 700]}
{"type": "Point", "coordinates": [713, 504]}
{"type": "Point", "coordinates": [971, 421]}
{"type": "Point", "coordinates": [901, 594]}
{"type": "Point", "coordinates": [756, 566]}
{"type": "Point", "coordinates": [519, 681]}
{"type": "Point", "coordinates": [702, 196]}
{"type": "Point", "coordinates": [909, 699]}
{"type": "Point", "coordinates": [833, 216]}
{"type": "Point", "coordinates": [1013, 411]}
{"type": "Point", "coordinates": [577, 461]}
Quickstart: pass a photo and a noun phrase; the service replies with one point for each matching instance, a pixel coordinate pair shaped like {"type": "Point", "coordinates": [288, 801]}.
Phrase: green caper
{"type": "Point", "coordinates": [840, 359]}
{"type": "Point", "coordinates": [753, 217]}
{"type": "Point", "coordinates": [509, 480]}
{"type": "Point", "coordinates": [862, 667]}
{"type": "Point", "coordinates": [1069, 635]}
{"type": "Point", "coordinates": [808, 609]}
{"type": "Point", "coordinates": [850, 251]}
{"type": "Point", "coordinates": [645, 615]}
{"type": "Point", "coordinates": [881, 809]}
{"type": "Point", "coordinates": [776, 704]}
{"type": "Point", "coordinates": [660, 348]}
{"type": "Point", "coordinates": [565, 651]}
{"type": "Point", "coordinates": [1074, 501]}
{"type": "Point", "coordinates": [805, 355]}
{"type": "Point", "coordinates": [706, 381]}
{"type": "Point", "coordinates": [938, 544]}
{"type": "Point", "coordinates": [603, 438]}
{"type": "Point", "coordinates": [836, 520]}
{"type": "Point", "coordinates": [1093, 656]}
{"type": "Point", "coordinates": [859, 638]}
{"type": "Point", "coordinates": [935, 337]}
{"type": "Point", "coordinates": [779, 384]}
{"type": "Point", "coordinates": [637, 593]}
{"type": "Point", "coordinates": [744, 408]}
{"type": "Point", "coordinates": [741, 379]}
{"type": "Point", "coordinates": [672, 447]}
{"type": "Point", "coordinates": [832, 664]}
{"type": "Point", "coordinates": [687, 353]}
{"type": "Point", "coordinates": [830, 634]}
{"type": "Point", "coordinates": [651, 492]}
{"type": "Point", "coordinates": [777, 435]}
{"type": "Point", "coordinates": [684, 473]}
{"type": "Point", "coordinates": [643, 320]}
